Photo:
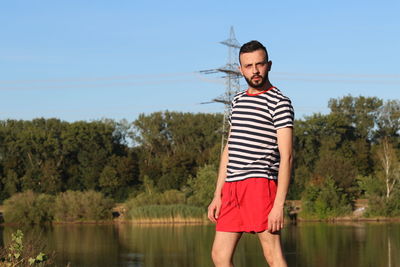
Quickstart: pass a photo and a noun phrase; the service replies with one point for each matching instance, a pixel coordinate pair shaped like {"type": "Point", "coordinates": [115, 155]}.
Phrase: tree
{"type": "Point", "coordinates": [359, 112]}
{"type": "Point", "coordinates": [324, 148]}
{"type": "Point", "coordinates": [49, 155]}
{"type": "Point", "coordinates": [202, 186]}
{"type": "Point", "coordinates": [118, 177]}
{"type": "Point", "coordinates": [390, 165]}
{"type": "Point", "coordinates": [388, 119]}
{"type": "Point", "coordinates": [171, 145]}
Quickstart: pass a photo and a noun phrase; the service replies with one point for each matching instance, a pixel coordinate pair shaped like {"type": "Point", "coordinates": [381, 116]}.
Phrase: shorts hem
{"type": "Point", "coordinates": [243, 229]}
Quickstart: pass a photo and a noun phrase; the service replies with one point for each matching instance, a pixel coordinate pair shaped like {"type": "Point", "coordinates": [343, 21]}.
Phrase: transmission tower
{"type": "Point", "coordinates": [232, 76]}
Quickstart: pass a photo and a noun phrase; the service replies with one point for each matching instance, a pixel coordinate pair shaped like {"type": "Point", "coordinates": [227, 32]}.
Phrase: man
{"type": "Point", "coordinates": [255, 166]}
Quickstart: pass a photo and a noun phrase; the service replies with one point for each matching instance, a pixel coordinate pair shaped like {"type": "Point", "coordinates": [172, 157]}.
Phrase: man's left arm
{"type": "Point", "coordinates": [285, 144]}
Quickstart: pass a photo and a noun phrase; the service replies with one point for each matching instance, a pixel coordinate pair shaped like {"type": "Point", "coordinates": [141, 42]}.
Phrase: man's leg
{"type": "Point", "coordinates": [271, 244]}
{"type": "Point", "coordinates": [223, 248]}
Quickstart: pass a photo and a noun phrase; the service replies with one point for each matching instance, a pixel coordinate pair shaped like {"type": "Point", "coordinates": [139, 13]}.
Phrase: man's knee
{"type": "Point", "coordinates": [220, 257]}
{"type": "Point", "coordinates": [272, 249]}
{"type": "Point", "coordinates": [274, 258]}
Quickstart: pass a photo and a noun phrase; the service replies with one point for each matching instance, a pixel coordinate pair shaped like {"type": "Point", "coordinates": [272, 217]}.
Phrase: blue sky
{"type": "Point", "coordinates": [87, 60]}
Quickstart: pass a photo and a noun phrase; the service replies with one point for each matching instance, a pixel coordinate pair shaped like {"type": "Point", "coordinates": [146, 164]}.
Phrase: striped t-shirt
{"type": "Point", "coordinates": [252, 145]}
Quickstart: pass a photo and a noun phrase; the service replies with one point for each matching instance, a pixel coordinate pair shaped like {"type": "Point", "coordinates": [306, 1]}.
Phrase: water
{"type": "Point", "coordinates": [305, 244]}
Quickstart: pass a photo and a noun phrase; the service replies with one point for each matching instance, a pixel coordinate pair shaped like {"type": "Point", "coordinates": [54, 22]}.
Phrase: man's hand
{"type": "Point", "coordinates": [214, 208]}
{"type": "Point", "coordinates": [275, 219]}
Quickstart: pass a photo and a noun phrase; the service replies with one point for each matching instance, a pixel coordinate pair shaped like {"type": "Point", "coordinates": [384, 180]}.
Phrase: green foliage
{"type": "Point", "coordinates": [340, 168]}
{"type": "Point", "coordinates": [117, 176]}
{"type": "Point", "coordinates": [11, 184]}
{"type": "Point", "coordinates": [50, 156]}
{"type": "Point", "coordinates": [336, 145]}
{"type": "Point", "coordinates": [168, 197]}
{"type": "Point", "coordinates": [203, 186]}
{"type": "Point", "coordinates": [166, 212]}
{"type": "Point", "coordinates": [172, 145]}
{"type": "Point", "coordinates": [16, 254]}
{"type": "Point", "coordinates": [143, 199]}
{"type": "Point", "coordinates": [389, 119]}
{"type": "Point", "coordinates": [71, 206]}
{"type": "Point", "coordinates": [76, 206]}
{"type": "Point", "coordinates": [324, 200]}
{"type": "Point", "coordinates": [378, 203]}
{"type": "Point", "coordinates": [358, 112]}
{"type": "Point", "coordinates": [29, 208]}
{"type": "Point", "coordinates": [174, 153]}
{"type": "Point", "coordinates": [172, 196]}
{"type": "Point", "coordinates": [321, 148]}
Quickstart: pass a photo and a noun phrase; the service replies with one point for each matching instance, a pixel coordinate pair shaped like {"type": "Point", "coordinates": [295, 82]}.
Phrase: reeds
{"type": "Point", "coordinates": [166, 214]}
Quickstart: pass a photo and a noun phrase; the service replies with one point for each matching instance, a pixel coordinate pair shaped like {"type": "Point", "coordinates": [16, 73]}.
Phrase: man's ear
{"type": "Point", "coordinates": [269, 65]}
{"type": "Point", "coordinates": [240, 69]}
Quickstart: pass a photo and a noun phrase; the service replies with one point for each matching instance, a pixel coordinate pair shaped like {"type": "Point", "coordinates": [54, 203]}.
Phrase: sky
{"type": "Point", "coordinates": [89, 60]}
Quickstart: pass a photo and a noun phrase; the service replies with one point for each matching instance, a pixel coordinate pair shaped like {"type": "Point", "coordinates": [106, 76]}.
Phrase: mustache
{"type": "Point", "coordinates": [256, 76]}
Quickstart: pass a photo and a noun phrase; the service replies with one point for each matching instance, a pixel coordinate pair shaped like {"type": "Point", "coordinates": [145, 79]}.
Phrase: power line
{"type": "Point", "coordinates": [232, 83]}
{"type": "Point", "coordinates": [228, 70]}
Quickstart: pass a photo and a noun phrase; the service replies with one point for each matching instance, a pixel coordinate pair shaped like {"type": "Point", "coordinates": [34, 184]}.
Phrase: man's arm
{"type": "Point", "coordinates": [285, 143]}
{"type": "Point", "coordinates": [215, 206]}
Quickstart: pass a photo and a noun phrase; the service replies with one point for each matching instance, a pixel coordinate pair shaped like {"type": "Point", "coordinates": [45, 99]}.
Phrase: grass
{"type": "Point", "coordinates": [177, 213]}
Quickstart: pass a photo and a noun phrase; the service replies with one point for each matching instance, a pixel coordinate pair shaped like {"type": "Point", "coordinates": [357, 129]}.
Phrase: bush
{"type": "Point", "coordinates": [74, 206]}
{"type": "Point", "coordinates": [29, 208]}
{"type": "Point", "coordinates": [325, 200]}
{"type": "Point", "coordinates": [203, 186]}
{"type": "Point", "coordinates": [169, 197]}
{"type": "Point", "coordinates": [143, 199]}
{"type": "Point", "coordinates": [378, 203]}
{"type": "Point", "coordinates": [172, 196]}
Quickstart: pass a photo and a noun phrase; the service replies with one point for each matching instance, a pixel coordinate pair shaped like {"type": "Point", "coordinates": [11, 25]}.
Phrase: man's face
{"type": "Point", "coordinates": [254, 66]}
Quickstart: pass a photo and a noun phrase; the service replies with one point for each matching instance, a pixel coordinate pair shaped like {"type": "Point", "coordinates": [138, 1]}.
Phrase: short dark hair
{"type": "Point", "coordinates": [251, 47]}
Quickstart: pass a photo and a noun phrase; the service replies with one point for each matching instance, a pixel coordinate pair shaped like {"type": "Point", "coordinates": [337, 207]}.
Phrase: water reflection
{"type": "Point", "coordinates": [306, 244]}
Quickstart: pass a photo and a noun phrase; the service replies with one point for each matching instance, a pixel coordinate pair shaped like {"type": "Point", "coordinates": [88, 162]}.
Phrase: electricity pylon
{"type": "Point", "coordinates": [232, 76]}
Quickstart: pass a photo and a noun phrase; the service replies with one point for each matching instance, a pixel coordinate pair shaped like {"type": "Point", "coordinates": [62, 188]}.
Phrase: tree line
{"type": "Point", "coordinates": [51, 156]}
{"type": "Point", "coordinates": [352, 152]}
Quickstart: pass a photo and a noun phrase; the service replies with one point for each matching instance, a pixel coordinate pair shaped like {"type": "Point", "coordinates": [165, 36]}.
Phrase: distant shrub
{"type": "Point", "coordinates": [75, 206]}
{"type": "Point", "coordinates": [378, 203]}
{"type": "Point", "coordinates": [166, 213]}
{"type": "Point", "coordinates": [324, 201]}
{"type": "Point", "coordinates": [144, 199]}
{"type": "Point", "coordinates": [203, 186]}
{"type": "Point", "coordinates": [172, 196]}
{"type": "Point", "coordinates": [29, 208]}
{"type": "Point", "coordinates": [168, 197]}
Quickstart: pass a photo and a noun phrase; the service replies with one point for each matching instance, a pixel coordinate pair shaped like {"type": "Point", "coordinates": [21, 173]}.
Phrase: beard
{"type": "Point", "coordinates": [258, 85]}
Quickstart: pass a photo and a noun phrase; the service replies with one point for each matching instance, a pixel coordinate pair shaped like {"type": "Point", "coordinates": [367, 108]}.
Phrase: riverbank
{"type": "Point", "coordinates": [293, 216]}
{"type": "Point", "coordinates": [119, 213]}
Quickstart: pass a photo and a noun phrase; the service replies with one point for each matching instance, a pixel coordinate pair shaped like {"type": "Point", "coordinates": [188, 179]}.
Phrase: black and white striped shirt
{"type": "Point", "coordinates": [252, 145]}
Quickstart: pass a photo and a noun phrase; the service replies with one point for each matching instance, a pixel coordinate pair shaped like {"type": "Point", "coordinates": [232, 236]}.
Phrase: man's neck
{"type": "Point", "coordinates": [266, 86]}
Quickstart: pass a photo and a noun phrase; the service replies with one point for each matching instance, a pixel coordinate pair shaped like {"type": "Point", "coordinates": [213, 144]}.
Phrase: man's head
{"type": "Point", "coordinates": [254, 64]}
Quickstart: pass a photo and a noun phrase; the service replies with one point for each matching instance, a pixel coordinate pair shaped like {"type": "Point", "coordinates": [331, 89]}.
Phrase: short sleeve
{"type": "Point", "coordinates": [230, 112]}
{"type": "Point", "coordinates": [283, 115]}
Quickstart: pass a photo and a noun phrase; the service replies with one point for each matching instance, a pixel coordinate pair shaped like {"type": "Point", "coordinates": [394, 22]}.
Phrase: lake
{"type": "Point", "coordinates": [305, 244]}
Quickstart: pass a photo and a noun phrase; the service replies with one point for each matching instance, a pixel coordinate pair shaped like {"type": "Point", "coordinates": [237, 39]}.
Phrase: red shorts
{"type": "Point", "coordinates": [246, 205]}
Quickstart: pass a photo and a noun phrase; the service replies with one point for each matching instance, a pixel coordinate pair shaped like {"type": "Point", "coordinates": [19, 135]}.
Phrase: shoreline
{"type": "Point", "coordinates": [196, 221]}
{"type": "Point", "coordinates": [294, 217]}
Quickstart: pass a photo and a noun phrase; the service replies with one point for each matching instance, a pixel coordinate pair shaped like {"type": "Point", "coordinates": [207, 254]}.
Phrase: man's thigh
{"type": "Point", "coordinates": [271, 244]}
{"type": "Point", "coordinates": [225, 243]}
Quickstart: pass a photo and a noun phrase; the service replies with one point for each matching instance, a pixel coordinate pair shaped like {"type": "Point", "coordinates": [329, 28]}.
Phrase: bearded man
{"type": "Point", "coordinates": [256, 164]}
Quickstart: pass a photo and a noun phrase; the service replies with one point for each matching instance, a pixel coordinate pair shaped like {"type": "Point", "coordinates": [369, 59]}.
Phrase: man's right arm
{"type": "Point", "coordinates": [215, 206]}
